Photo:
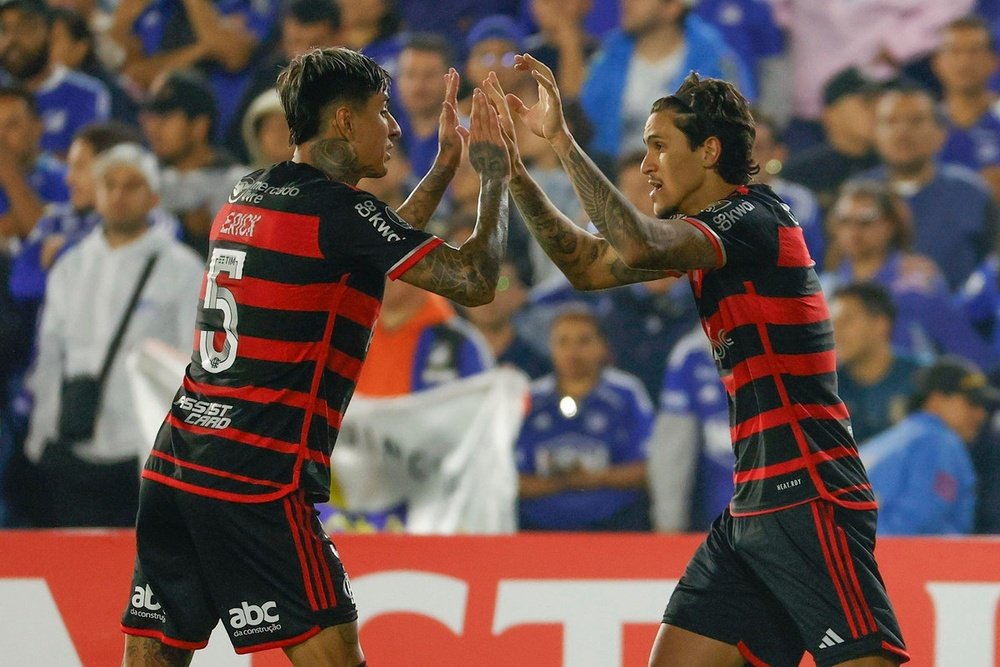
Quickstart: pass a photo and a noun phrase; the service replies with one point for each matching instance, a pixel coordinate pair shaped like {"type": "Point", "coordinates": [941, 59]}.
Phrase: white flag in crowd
{"type": "Point", "coordinates": [437, 461]}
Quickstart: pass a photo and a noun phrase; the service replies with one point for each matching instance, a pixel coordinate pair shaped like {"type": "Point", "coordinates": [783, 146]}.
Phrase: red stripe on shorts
{"type": "Point", "coordinates": [853, 578]}
{"type": "Point", "coordinates": [301, 553]}
{"type": "Point", "coordinates": [832, 569]}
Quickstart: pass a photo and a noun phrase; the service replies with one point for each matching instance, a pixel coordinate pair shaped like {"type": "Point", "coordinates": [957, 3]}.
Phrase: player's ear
{"type": "Point", "coordinates": [711, 151]}
{"type": "Point", "coordinates": [342, 122]}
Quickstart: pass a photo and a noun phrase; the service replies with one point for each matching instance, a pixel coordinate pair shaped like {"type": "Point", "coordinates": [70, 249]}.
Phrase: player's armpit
{"type": "Point", "coordinates": [455, 274]}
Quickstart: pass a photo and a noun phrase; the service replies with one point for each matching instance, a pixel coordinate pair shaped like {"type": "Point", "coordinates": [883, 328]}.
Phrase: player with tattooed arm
{"type": "Point", "coordinates": [297, 265]}
{"type": "Point", "coordinates": [789, 566]}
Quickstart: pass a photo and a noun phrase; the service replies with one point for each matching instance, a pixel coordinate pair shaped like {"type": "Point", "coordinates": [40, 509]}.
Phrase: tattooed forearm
{"type": "Point", "coordinates": [587, 261]}
{"type": "Point", "coordinates": [469, 274]}
{"type": "Point", "coordinates": [337, 159]}
{"type": "Point", "coordinates": [423, 201]}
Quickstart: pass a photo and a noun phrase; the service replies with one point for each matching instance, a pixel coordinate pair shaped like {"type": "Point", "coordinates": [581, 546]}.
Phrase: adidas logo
{"type": "Point", "coordinates": [831, 638]}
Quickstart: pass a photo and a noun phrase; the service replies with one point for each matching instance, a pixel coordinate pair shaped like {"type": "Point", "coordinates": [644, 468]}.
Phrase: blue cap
{"type": "Point", "coordinates": [496, 26]}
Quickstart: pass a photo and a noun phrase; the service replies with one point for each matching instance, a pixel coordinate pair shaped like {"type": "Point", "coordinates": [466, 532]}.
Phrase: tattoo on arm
{"type": "Point", "coordinates": [640, 239]}
{"type": "Point", "coordinates": [337, 159]}
{"type": "Point", "coordinates": [423, 201]}
{"type": "Point", "coordinates": [589, 262]}
{"type": "Point", "coordinates": [469, 274]}
{"type": "Point", "coordinates": [489, 160]}
{"type": "Point", "coordinates": [150, 652]}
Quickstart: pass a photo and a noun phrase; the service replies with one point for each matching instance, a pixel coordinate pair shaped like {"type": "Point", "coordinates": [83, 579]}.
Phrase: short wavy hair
{"type": "Point", "coordinates": [318, 77]}
{"type": "Point", "coordinates": [708, 107]}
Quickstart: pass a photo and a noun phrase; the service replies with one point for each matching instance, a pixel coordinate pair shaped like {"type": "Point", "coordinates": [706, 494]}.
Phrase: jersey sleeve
{"type": "Point", "coordinates": [739, 230]}
{"type": "Point", "coordinates": [363, 231]}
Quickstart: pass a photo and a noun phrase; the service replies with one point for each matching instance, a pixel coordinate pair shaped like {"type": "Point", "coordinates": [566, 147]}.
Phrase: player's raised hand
{"type": "Point", "coordinates": [488, 150]}
{"type": "Point", "coordinates": [545, 117]}
{"type": "Point", "coordinates": [452, 137]}
{"type": "Point", "coordinates": [498, 100]}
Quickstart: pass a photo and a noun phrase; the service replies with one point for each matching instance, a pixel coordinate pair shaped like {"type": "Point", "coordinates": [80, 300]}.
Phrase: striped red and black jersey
{"type": "Point", "coordinates": [293, 285]}
{"type": "Point", "coordinates": [768, 322]}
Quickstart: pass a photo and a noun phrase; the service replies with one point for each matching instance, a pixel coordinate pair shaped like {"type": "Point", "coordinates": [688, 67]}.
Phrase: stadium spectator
{"type": "Point", "coordinates": [90, 458]}
{"type": "Point", "coordinates": [651, 316]}
{"type": "Point", "coordinates": [66, 99]}
{"type": "Point", "coordinates": [420, 90]}
{"type": "Point", "coordinates": [74, 45]}
{"type": "Point", "coordinates": [748, 26]}
{"type": "Point", "coordinates": [920, 469]}
{"type": "Point", "coordinates": [581, 453]}
{"type": "Point", "coordinates": [198, 176]}
{"type": "Point", "coordinates": [265, 131]}
{"type": "Point", "coordinates": [63, 225]}
{"type": "Point", "coordinates": [29, 177]}
{"type": "Point", "coordinates": [770, 153]}
{"type": "Point", "coordinates": [562, 41]}
{"type": "Point", "coordinates": [882, 39]}
{"type": "Point", "coordinates": [496, 322]}
{"type": "Point", "coordinates": [871, 239]}
{"type": "Point", "coordinates": [690, 452]}
{"type": "Point", "coordinates": [874, 381]}
{"type": "Point", "coordinates": [847, 148]}
{"type": "Point", "coordinates": [492, 43]}
{"type": "Point", "coordinates": [305, 24]}
{"type": "Point", "coordinates": [954, 215]}
{"type": "Point", "coordinates": [373, 27]}
{"type": "Point", "coordinates": [12, 355]}
{"type": "Point", "coordinates": [658, 44]}
{"type": "Point", "coordinates": [963, 63]}
{"type": "Point", "coordinates": [223, 38]}
{"type": "Point", "coordinates": [418, 342]}
{"type": "Point", "coordinates": [452, 19]}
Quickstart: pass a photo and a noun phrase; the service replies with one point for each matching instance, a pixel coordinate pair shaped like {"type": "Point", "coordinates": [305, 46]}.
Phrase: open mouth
{"type": "Point", "coordinates": [656, 188]}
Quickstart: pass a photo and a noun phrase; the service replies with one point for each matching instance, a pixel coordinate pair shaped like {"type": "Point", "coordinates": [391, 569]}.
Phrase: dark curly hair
{"type": "Point", "coordinates": [706, 108]}
{"type": "Point", "coordinates": [316, 78]}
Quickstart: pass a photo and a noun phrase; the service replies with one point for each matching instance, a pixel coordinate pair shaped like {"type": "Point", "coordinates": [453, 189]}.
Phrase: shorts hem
{"type": "Point", "coordinates": [692, 627]}
{"type": "Point", "coordinates": [865, 646]}
{"type": "Point", "coordinates": [164, 639]}
{"type": "Point", "coordinates": [279, 643]}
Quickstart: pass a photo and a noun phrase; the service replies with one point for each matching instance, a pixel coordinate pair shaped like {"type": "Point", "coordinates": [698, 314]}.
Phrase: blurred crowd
{"type": "Point", "coordinates": [124, 126]}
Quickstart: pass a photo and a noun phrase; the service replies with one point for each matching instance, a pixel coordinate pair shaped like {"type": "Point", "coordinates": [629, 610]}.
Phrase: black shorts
{"type": "Point", "coordinates": [268, 570]}
{"type": "Point", "coordinates": [782, 583]}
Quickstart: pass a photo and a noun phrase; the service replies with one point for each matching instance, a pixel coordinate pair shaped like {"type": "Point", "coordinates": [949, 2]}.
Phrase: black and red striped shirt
{"type": "Point", "coordinates": [293, 285]}
{"type": "Point", "coordinates": [766, 317]}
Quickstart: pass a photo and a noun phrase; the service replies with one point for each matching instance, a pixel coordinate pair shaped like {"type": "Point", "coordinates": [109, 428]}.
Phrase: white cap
{"type": "Point", "coordinates": [130, 155]}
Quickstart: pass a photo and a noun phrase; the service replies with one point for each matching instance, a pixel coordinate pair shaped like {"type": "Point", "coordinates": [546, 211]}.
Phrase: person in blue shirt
{"type": "Point", "coordinates": [963, 63]}
{"type": "Point", "coordinates": [581, 453]}
{"type": "Point", "coordinates": [874, 380]}
{"type": "Point", "coordinates": [63, 224]}
{"type": "Point", "coordinates": [29, 177]}
{"type": "Point", "coordinates": [954, 215]}
{"type": "Point", "coordinates": [748, 26]}
{"type": "Point", "coordinates": [495, 321]}
{"type": "Point", "coordinates": [870, 234]}
{"type": "Point", "coordinates": [770, 153]}
{"type": "Point", "coordinates": [691, 451]}
{"type": "Point", "coordinates": [420, 89]}
{"type": "Point", "coordinates": [66, 99]}
{"type": "Point", "coordinates": [222, 37]}
{"type": "Point", "coordinates": [658, 44]}
{"type": "Point", "coordinates": [920, 469]}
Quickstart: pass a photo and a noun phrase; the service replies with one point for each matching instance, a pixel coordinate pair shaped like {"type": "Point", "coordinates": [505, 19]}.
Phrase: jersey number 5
{"type": "Point", "coordinates": [231, 263]}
